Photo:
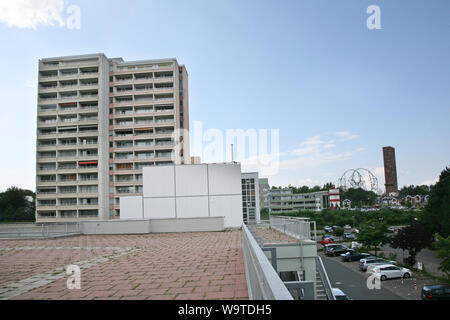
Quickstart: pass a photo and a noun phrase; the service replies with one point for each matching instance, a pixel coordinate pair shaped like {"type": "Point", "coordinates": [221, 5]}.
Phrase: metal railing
{"type": "Point", "coordinates": [295, 227]}
{"type": "Point", "coordinates": [263, 281]}
{"type": "Point", "coordinates": [42, 231]}
{"type": "Point", "coordinates": [324, 277]}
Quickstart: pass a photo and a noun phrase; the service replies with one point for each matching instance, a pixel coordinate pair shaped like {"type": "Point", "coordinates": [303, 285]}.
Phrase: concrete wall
{"type": "Point", "coordinates": [131, 207]}
{"type": "Point", "coordinates": [103, 138]}
{"type": "Point", "coordinates": [187, 224]}
{"type": "Point", "coordinates": [189, 191]}
{"type": "Point", "coordinates": [143, 226]}
{"type": "Point", "coordinates": [115, 227]}
{"type": "Point", "coordinates": [296, 257]}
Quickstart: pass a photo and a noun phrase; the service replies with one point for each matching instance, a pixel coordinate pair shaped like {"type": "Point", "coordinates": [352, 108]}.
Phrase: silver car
{"type": "Point", "coordinates": [389, 271]}
{"type": "Point", "coordinates": [365, 263]}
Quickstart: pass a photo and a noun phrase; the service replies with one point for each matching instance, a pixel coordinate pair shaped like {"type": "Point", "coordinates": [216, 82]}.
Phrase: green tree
{"type": "Point", "coordinates": [339, 232]}
{"type": "Point", "coordinates": [437, 212]}
{"type": "Point", "coordinates": [15, 205]}
{"type": "Point", "coordinates": [359, 196]}
{"type": "Point", "coordinates": [443, 246]}
{"type": "Point", "coordinates": [328, 186]}
{"type": "Point", "coordinates": [373, 234]}
{"type": "Point", "coordinates": [414, 190]}
{"type": "Point", "coordinates": [413, 238]}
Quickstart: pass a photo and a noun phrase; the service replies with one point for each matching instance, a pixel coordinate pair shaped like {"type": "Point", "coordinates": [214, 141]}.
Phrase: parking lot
{"type": "Point", "coordinates": [347, 277]}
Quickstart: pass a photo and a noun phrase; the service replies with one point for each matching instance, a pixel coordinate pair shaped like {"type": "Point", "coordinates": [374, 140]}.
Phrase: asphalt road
{"type": "Point", "coordinates": [353, 283]}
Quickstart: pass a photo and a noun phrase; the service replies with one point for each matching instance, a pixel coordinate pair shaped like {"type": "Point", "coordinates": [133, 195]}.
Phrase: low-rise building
{"type": "Point", "coordinates": [284, 200]}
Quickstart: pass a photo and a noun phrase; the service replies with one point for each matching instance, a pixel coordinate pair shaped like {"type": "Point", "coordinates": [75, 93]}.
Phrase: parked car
{"type": "Point", "coordinates": [371, 266]}
{"type": "Point", "coordinates": [365, 263]}
{"type": "Point", "coordinates": [354, 256]}
{"type": "Point", "coordinates": [327, 236]}
{"type": "Point", "coordinates": [328, 247]}
{"type": "Point", "coordinates": [436, 292]}
{"type": "Point", "coordinates": [389, 271]}
{"type": "Point", "coordinates": [349, 236]}
{"type": "Point", "coordinates": [355, 245]}
{"type": "Point", "coordinates": [339, 294]}
{"type": "Point", "coordinates": [336, 251]}
{"type": "Point", "coordinates": [328, 229]}
{"type": "Point", "coordinates": [347, 227]}
{"type": "Point", "coordinates": [326, 241]}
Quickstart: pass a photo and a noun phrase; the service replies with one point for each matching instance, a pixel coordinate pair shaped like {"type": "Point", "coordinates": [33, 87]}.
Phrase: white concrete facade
{"type": "Point", "coordinates": [188, 191]}
{"type": "Point", "coordinates": [250, 198]}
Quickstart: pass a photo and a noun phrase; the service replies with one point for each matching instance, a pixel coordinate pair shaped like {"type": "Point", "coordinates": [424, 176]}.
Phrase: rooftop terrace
{"type": "Point", "coordinates": [206, 265]}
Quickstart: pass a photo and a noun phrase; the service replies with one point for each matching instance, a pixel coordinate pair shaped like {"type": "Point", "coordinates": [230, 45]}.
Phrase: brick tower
{"type": "Point", "coordinates": [390, 170]}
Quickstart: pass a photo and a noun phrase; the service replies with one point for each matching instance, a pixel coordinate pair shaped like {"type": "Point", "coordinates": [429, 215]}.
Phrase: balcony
{"type": "Point", "coordinates": [147, 155]}
{"type": "Point", "coordinates": [88, 177]}
{"type": "Point", "coordinates": [124, 123]}
{"type": "Point", "coordinates": [164, 143]}
{"type": "Point", "coordinates": [123, 156]}
{"type": "Point", "coordinates": [68, 120]}
{"type": "Point", "coordinates": [163, 120]}
{"type": "Point", "coordinates": [47, 97]}
{"type": "Point", "coordinates": [143, 110]}
{"type": "Point", "coordinates": [68, 73]}
{"type": "Point", "coordinates": [47, 108]}
{"type": "Point", "coordinates": [66, 96]}
{"type": "Point", "coordinates": [48, 74]}
{"type": "Point", "coordinates": [120, 100]}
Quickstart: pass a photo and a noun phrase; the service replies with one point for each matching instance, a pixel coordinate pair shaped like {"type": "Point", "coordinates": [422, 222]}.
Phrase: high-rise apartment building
{"type": "Point", "coordinates": [390, 170]}
{"type": "Point", "coordinates": [99, 122]}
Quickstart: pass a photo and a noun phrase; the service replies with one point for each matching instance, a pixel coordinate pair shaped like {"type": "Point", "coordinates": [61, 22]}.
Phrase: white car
{"type": "Point", "coordinates": [389, 271]}
{"type": "Point", "coordinates": [339, 294]}
{"type": "Point", "coordinates": [355, 245]}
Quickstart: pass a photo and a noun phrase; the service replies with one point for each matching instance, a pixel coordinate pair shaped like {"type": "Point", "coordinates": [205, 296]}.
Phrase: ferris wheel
{"type": "Point", "coordinates": [358, 178]}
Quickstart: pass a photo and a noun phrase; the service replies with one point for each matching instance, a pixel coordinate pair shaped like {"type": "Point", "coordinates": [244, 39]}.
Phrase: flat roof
{"type": "Point", "coordinates": [195, 265]}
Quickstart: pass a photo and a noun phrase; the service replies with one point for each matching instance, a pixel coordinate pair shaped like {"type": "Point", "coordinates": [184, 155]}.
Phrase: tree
{"type": "Point", "coordinates": [414, 190]}
{"type": "Point", "coordinates": [413, 238]}
{"type": "Point", "coordinates": [339, 232]}
{"type": "Point", "coordinates": [373, 234]}
{"type": "Point", "coordinates": [17, 205]}
{"type": "Point", "coordinates": [437, 212]}
{"type": "Point", "coordinates": [443, 246]}
{"type": "Point", "coordinates": [359, 196]}
{"type": "Point", "coordinates": [327, 186]}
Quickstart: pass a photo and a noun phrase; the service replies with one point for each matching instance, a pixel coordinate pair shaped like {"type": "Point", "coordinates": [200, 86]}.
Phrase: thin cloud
{"type": "Point", "coordinates": [31, 13]}
{"type": "Point", "coordinates": [345, 135]}
{"type": "Point", "coordinates": [429, 182]}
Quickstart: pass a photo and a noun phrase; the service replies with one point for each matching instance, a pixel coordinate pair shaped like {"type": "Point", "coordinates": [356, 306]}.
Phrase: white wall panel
{"type": "Point", "coordinates": [131, 208]}
{"type": "Point", "coordinates": [158, 181]}
{"type": "Point", "coordinates": [188, 207]}
{"type": "Point", "coordinates": [191, 180]}
{"type": "Point", "coordinates": [224, 179]}
{"type": "Point", "coordinates": [229, 207]}
{"type": "Point", "coordinates": [159, 208]}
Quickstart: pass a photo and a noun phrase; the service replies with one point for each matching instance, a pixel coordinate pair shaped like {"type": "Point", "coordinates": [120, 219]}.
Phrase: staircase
{"type": "Point", "coordinates": [320, 289]}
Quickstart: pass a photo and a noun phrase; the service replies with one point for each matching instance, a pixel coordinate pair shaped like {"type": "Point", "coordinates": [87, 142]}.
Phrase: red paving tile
{"type": "Point", "coordinates": [199, 265]}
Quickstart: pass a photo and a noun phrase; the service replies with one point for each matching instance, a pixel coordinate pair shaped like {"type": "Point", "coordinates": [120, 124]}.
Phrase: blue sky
{"type": "Point", "coordinates": [337, 91]}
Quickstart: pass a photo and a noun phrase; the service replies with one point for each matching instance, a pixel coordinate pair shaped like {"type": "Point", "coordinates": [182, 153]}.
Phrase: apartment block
{"type": "Point", "coordinates": [284, 200]}
{"type": "Point", "coordinates": [99, 122]}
